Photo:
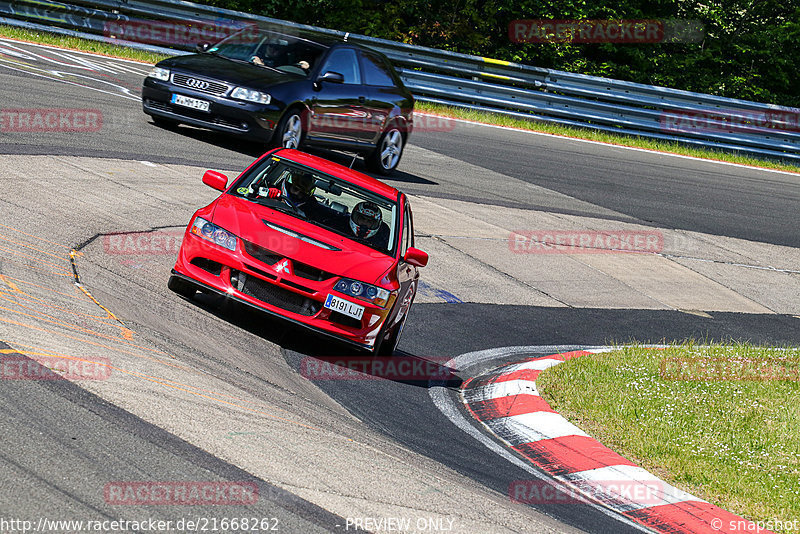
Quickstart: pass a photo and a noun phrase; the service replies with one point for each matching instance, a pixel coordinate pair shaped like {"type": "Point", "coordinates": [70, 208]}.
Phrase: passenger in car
{"type": "Point", "coordinates": [366, 223]}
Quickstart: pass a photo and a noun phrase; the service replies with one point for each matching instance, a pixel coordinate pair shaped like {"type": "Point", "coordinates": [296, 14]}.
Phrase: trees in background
{"type": "Point", "coordinates": [751, 48]}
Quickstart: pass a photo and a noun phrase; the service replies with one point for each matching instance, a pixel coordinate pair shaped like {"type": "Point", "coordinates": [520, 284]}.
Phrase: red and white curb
{"type": "Point", "coordinates": [507, 402]}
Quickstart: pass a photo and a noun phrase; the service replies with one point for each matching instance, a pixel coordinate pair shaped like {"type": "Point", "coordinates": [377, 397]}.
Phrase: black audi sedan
{"type": "Point", "coordinates": [287, 90]}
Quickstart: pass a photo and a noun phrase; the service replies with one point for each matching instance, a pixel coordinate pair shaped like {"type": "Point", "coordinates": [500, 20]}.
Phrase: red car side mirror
{"type": "Point", "coordinates": [416, 257]}
{"type": "Point", "coordinates": [215, 180]}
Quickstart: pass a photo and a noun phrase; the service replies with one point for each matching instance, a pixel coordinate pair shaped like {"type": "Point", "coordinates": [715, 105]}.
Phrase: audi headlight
{"type": "Point", "coordinates": [215, 234]}
{"type": "Point", "coordinates": [159, 74]}
{"type": "Point", "coordinates": [250, 95]}
{"type": "Point", "coordinates": [370, 293]}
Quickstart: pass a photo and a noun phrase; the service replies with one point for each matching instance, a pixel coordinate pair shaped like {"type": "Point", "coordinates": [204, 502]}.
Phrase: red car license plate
{"type": "Point", "coordinates": [344, 306]}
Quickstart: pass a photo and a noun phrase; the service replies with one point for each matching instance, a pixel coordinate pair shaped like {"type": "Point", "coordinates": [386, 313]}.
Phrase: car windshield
{"type": "Point", "coordinates": [270, 49]}
{"type": "Point", "coordinates": [323, 200]}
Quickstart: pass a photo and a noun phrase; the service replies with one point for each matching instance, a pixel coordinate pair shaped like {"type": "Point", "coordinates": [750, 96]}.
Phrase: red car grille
{"type": "Point", "coordinates": [273, 294]}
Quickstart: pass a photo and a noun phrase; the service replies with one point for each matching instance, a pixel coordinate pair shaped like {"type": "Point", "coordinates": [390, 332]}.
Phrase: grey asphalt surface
{"type": "Point", "coordinates": [650, 187]}
{"type": "Point", "coordinates": [644, 187]}
{"type": "Point", "coordinates": [62, 445]}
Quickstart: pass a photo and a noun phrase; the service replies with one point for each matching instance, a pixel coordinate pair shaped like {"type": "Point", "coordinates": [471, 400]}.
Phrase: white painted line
{"type": "Point", "coordinates": [628, 487]}
{"type": "Point", "coordinates": [465, 361]}
{"type": "Point", "coordinates": [602, 143]}
{"type": "Point", "coordinates": [49, 59]}
{"type": "Point", "coordinates": [533, 365]}
{"type": "Point", "coordinates": [53, 47]}
{"type": "Point", "coordinates": [501, 389]}
{"type": "Point", "coordinates": [83, 63]}
{"type": "Point", "coordinates": [535, 426]}
{"type": "Point", "coordinates": [56, 77]}
{"type": "Point", "coordinates": [441, 399]}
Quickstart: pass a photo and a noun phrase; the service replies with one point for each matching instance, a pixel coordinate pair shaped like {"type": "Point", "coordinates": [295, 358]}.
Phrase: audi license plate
{"type": "Point", "coordinates": [344, 306]}
{"type": "Point", "coordinates": [187, 102]}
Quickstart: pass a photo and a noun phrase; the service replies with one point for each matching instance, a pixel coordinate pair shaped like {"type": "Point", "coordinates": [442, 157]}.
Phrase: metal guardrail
{"type": "Point", "coordinates": [473, 82]}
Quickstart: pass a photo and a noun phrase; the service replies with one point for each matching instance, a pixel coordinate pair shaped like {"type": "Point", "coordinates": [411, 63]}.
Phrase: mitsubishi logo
{"type": "Point", "coordinates": [284, 266]}
{"type": "Point", "coordinates": [197, 84]}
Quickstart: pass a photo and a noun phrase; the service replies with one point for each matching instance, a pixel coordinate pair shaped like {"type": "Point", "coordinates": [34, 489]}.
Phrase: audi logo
{"type": "Point", "coordinates": [197, 84]}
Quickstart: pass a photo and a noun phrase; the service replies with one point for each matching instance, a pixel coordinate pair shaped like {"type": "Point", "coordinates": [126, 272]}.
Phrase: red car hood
{"type": "Point", "coordinates": [353, 260]}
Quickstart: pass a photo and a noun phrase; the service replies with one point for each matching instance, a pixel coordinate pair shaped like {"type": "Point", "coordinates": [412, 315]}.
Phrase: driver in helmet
{"type": "Point", "coordinates": [298, 190]}
{"type": "Point", "coordinates": [366, 223]}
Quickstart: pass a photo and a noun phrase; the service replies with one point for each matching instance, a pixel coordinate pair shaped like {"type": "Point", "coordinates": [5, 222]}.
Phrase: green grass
{"type": "Point", "coordinates": [76, 43]}
{"type": "Point", "coordinates": [707, 423]}
{"type": "Point", "coordinates": [109, 49]}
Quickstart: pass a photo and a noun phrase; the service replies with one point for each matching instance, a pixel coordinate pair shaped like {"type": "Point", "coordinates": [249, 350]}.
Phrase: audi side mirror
{"type": "Point", "coordinates": [330, 76]}
{"type": "Point", "coordinates": [416, 257]}
{"type": "Point", "coordinates": [215, 180]}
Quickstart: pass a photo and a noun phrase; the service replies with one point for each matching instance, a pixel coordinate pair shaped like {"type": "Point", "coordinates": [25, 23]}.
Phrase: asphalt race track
{"type": "Point", "coordinates": [204, 391]}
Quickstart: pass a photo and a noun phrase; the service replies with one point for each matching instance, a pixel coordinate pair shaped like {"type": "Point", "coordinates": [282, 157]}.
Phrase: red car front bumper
{"type": "Point", "coordinates": [241, 276]}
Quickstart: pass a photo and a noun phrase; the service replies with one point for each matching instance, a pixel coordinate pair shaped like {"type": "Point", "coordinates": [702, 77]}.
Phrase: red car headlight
{"type": "Point", "coordinates": [376, 295]}
{"type": "Point", "coordinates": [211, 232]}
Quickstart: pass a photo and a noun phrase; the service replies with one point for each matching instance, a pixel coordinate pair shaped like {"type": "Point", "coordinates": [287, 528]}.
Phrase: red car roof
{"type": "Point", "coordinates": [339, 171]}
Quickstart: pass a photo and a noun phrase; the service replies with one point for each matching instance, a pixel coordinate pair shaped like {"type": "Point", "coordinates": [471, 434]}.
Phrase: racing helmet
{"type": "Point", "coordinates": [298, 186]}
{"type": "Point", "coordinates": [365, 221]}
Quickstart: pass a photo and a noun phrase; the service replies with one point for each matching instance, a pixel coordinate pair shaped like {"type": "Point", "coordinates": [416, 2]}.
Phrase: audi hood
{"type": "Point", "coordinates": [229, 70]}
